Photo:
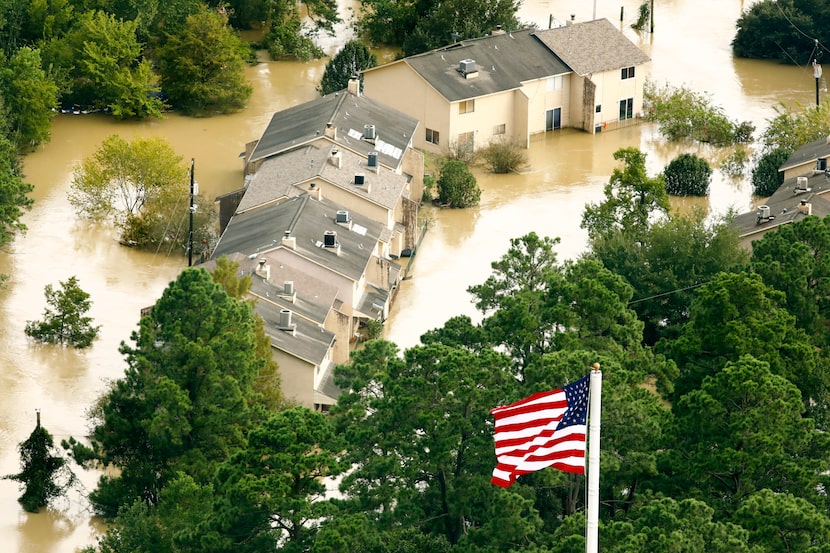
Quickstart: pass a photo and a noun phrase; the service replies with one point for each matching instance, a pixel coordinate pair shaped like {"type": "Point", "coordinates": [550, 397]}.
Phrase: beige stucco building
{"type": "Point", "coordinates": [512, 85]}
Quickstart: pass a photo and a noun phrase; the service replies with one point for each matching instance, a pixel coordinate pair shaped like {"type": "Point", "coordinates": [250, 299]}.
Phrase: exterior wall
{"type": "Point", "coordinates": [489, 112]}
{"type": "Point", "coordinates": [297, 378]}
{"type": "Point", "coordinates": [398, 86]}
{"type": "Point", "coordinates": [352, 201]}
{"type": "Point", "coordinates": [803, 170]}
{"type": "Point", "coordinates": [611, 88]}
{"type": "Point", "coordinates": [521, 117]}
{"type": "Point", "coordinates": [341, 326]}
{"type": "Point", "coordinates": [576, 96]}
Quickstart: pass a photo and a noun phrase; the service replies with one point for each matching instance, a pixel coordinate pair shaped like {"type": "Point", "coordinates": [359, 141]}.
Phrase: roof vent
{"type": "Point", "coordinates": [330, 239]}
{"type": "Point", "coordinates": [342, 216]}
{"type": "Point", "coordinates": [369, 132]}
{"type": "Point", "coordinates": [800, 185]}
{"type": "Point", "coordinates": [467, 67]}
{"type": "Point", "coordinates": [372, 159]}
{"type": "Point", "coordinates": [288, 288]}
{"type": "Point", "coordinates": [359, 179]}
{"type": "Point", "coordinates": [286, 322]}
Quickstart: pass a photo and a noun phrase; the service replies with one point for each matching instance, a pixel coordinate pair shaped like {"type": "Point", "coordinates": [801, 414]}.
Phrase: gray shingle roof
{"type": "Point", "coordinates": [808, 153]}
{"type": "Point", "coordinates": [276, 176]}
{"type": "Point", "coordinates": [307, 341]}
{"type": "Point", "coordinates": [262, 229]}
{"type": "Point", "coordinates": [350, 114]}
{"type": "Point", "coordinates": [503, 61]}
{"type": "Point", "coordinates": [783, 206]}
{"type": "Point", "coordinates": [592, 46]}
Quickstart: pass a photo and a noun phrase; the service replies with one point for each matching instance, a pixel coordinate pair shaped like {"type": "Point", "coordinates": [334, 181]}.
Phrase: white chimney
{"type": "Point", "coordinates": [354, 85]}
{"type": "Point", "coordinates": [331, 130]}
{"type": "Point", "coordinates": [289, 241]}
{"type": "Point", "coordinates": [315, 191]}
{"type": "Point", "coordinates": [805, 207]}
{"type": "Point", "coordinates": [263, 269]}
{"type": "Point", "coordinates": [336, 158]}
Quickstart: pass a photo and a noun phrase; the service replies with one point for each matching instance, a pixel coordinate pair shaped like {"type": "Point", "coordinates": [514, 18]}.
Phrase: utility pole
{"type": "Point", "coordinates": [651, 15]}
{"type": "Point", "coordinates": [192, 210]}
{"type": "Point", "coordinates": [817, 75]}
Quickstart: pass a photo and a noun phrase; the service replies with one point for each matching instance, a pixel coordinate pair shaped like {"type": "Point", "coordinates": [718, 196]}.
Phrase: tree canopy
{"type": "Point", "coordinates": [353, 58]}
{"type": "Point", "coordinates": [65, 320]}
{"type": "Point", "coordinates": [457, 186]}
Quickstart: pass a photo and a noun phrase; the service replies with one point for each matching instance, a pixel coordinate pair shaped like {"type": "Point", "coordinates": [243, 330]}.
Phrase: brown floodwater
{"type": "Point", "coordinates": [567, 169]}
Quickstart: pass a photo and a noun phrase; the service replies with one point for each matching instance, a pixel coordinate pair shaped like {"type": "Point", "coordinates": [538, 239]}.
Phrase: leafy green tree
{"type": "Point", "coordinates": [736, 314]}
{"type": "Point", "coordinates": [784, 522]}
{"type": "Point", "coordinates": [14, 192]}
{"type": "Point", "coordinates": [64, 321]}
{"type": "Point", "coordinates": [350, 61]}
{"type": "Point", "coordinates": [287, 38]}
{"type": "Point", "coordinates": [795, 259]}
{"type": "Point", "coordinates": [765, 30]}
{"type": "Point", "coordinates": [632, 198]}
{"type": "Point", "coordinates": [766, 178]}
{"type": "Point", "coordinates": [795, 126]}
{"type": "Point", "coordinates": [30, 98]}
{"type": "Point", "coordinates": [743, 431]}
{"type": "Point", "coordinates": [666, 264]}
{"type": "Point", "coordinates": [682, 113]}
{"type": "Point", "coordinates": [106, 70]}
{"type": "Point", "coordinates": [46, 20]}
{"type": "Point", "coordinates": [142, 187]}
{"type": "Point", "coordinates": [421, 445]}
{"type": "Point", "coordinates": [12, 14]}
{"type": "Point", "coordinates": [687, 175]}
{"type": "Point", "coordinates": [202, 67]}
{"type": "Point", "coordinates": [43, 472]}
{"type": "Point", "coordinates": [457, 186]}
{"type": "Point", "coordinates": [421, 26]}
{"type": "Point", "coordinates": [185, 401]}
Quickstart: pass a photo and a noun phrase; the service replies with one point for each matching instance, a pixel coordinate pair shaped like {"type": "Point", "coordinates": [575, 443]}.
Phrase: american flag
{"type": "Point", "coordinates": [547, 429]}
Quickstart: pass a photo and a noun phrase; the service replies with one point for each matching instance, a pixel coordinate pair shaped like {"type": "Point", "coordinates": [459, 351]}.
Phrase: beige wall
{"type": "Point", "coordinates": [803, 170]}
{"type": "Point", "coordinates": [398, 86]}
{"type": "Point", "coordinates": [297, 378]}
{"type": "Point", "coordinates": [611, 88]}
{"type": "Point", "coordinates": [341, 326]}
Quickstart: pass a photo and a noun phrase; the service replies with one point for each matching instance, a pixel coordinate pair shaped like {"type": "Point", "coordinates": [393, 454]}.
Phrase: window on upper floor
{"type": "Point", "coordinates": [555, 83]}
{"type": "Point", "coordinates": [466, 106]}
{"type": "Point", "coordinates": [432, 136]}
{"type": "Point", "coordinates": [627, 72]}
{"type": "Point", "coordinates": [598, 109]}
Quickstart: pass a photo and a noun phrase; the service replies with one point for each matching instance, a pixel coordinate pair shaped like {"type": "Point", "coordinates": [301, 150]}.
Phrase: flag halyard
{"type": "Point", "coordinates": [547, 429]}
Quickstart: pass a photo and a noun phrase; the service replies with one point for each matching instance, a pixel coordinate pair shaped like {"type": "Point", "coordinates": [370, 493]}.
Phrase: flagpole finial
{"type": "Point", "coordinates": [596, 366]}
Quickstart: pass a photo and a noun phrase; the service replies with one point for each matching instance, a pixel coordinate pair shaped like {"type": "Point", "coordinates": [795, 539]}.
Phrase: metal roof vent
{"type": "Point", "coordinates": [342, 216]}
{"type": "Point", "coordinates": [330, 239]}
{"type": "Point", "coordinates": [359, 179]}
{"type": "Point", "coordinates": [763, 215]}
{"type": "Point", "coordinates": [369, 132]}
{"type": "Point", "coordinates": [286, 322]}
{"type": "Point", "coordinates": [372, 159]}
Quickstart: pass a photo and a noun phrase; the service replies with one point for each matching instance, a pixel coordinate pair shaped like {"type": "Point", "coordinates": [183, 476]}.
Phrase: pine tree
{"type": "Point", "coordinates": [40, 470]}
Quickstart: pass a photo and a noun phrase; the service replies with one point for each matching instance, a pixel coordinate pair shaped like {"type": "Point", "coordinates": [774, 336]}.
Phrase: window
{"type": "Point", "coordinates": [627, 73]}
{"type": "Point", "coordinates": [555, 83]}
{"type": "Point", "coordinates": [598, 108]}
{"type": "Point", "coordinates": [500, 129]}
{"type": "Point", "coordinates": [432, 136]}
{"type": "Point", "coordinates": [626, 108]}
{"type": "Point", "coordinates": [466, 106]}
{"type": "Point", "coordinates": [466, 140]}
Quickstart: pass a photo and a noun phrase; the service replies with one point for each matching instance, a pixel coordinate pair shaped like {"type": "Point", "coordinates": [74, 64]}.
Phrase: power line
{"type": "Point", "coordinates": [660, 295]}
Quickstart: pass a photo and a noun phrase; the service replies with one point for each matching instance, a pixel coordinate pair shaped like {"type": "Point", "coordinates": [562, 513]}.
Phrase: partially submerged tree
{"type": "Point", "coordinates": [43, 472]}
{"type": "Point", "coordinates": [504, 156]}
{"type": "Point", "coordinates": [632, 198]}
{"type": "Point", "coordinates": [202, 67]}
{"type": "Point", "coordinates": [14, 193]}
{"type": "Point", "coordinates": [30, 98]}
{"type": "Point", "coordinates": [65, 320]}
{"type": "Point", "coordinates": [349, 62]}
{"type": "Point", "coordinates": [687, 175]}
{"type": "Point", "coordinates": [142, 187]}
{"type": "Point", "coordinates": [457, 186]}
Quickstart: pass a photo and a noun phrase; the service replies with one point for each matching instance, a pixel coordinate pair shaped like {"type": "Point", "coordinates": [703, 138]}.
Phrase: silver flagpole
{"type": "Point", "coordinates": [594, 415]}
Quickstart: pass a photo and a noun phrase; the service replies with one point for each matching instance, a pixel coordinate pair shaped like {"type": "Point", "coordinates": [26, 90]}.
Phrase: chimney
{"type": "Point", "coordinates": [336, 158]}
{"type": "Point", "coordinates": [263, 269]}
{"type": "Point", "coordinates": [289, 241]}
{"type": "Point", "coordinates": [354, 85]}
{"type": "Point", "coordinates": [498, 30]}
{"type": "Point", "coordinates": [331, 130]}
{"type": "Point", "coordinates": [315, 191]}
{"type": "Point", "coordinates": [805, 207]}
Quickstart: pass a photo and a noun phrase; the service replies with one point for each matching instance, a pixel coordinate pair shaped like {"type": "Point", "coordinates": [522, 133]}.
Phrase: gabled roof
{"type": "Point", "coordinates": [307, 341]}
{"type": "Point", "coordinates": [349, 114]}
{"type": "Point", "coordinates": [592, 46]}
{"type": "Point", "coordinates": [277, 175]}
{"type": "Point", "coordinates": [313, 298]}
{"type": "Point", "coordinates": [503, 62]}
{"type": "Point", "coordinates": [784, 207]}
{"type": "Point", "coordinates": [808, 153]}
{"type": "Point", "coordinates": [305, 219]}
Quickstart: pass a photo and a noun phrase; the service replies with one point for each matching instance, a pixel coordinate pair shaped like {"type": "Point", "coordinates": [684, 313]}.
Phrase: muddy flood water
{"type": "Point", "coordinates": [567, 169]}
